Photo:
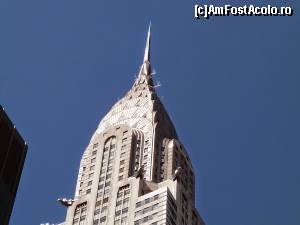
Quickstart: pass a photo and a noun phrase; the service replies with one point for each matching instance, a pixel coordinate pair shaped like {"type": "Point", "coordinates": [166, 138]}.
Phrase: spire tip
{"type": "Point", "coordinates": [147, 48]}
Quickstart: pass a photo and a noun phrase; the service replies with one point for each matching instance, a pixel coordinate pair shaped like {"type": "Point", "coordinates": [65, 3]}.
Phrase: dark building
{"type": "Point", "coordinates": [12, 156]}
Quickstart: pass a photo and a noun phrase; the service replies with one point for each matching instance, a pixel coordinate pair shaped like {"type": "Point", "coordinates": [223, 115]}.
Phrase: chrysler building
{"type": "Point", "coordinates": [134, 169]}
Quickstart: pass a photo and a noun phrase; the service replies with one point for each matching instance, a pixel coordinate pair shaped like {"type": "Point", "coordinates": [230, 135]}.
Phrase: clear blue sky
{"type": "Point", "coordinates": [230, 85]}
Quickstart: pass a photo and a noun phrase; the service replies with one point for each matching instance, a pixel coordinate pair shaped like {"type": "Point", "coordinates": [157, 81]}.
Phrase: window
{"type": "Point", "coordinates": [145, 219]}
{"type": "Point", "coordinates": [119, 203]}
{"type": "Point", "coordinates": [148, 209]}
{"type": "Point", "coordinates": [126, 202]}
{"type": "Point", "coordinates": [83, 211]}
{"type": "Point", "coordinates": [104, 208]}
{"type": "Point", "coordinates": [93, 160]}
{"type": "Point", "coordinates": [90, 183]}
{"type": "Point", "coordinates": [121, 177]}
{"type": "Point", "coordinates": [124, 140]}
{"type": "Point", "coordinates": [92, 167]}
{"type": "Point", "coordinates": [82, 218]}
{"type": "Point", "coordinates": [122, 162]}
{"type": "Point", "coordinates": [102, 219]}
{"type": "Point", "coordinates": [98, 203]}
{"type": "Point", "coordinates": [118, 213]}
{"type": "Point", "coordinates": [106, 192]}
{"type": "Point", "coordinates": [124, 187]}
{"type": "Point", "coordinates": [95, 145]}
{"type": "Point", "coordinates": [137, 213]}
{"type": "Point", "coordinates": [97, 211]}
{"type": "Point", "coordinates": [88, 191]}
{"type": "Point", "coordinates": [124, 219]}
{"type": "Point", "coordinates": [155, 206]}
{"type": "Point", "coordinates": [121, 169]}
{"type": "Point", "coordinates": [77, 211]}
{"type": "Point", "coordinates": [125, 132]}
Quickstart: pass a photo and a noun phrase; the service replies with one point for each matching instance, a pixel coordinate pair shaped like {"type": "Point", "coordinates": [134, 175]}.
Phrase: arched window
{"type": "Point", "coordinates": [80, 214]}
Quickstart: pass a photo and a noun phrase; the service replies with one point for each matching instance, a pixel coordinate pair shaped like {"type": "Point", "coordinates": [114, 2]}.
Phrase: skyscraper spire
{"type": "Point", "coordinates": [145, 71]}
{"type": "Point", "coordinates": [147, 48]}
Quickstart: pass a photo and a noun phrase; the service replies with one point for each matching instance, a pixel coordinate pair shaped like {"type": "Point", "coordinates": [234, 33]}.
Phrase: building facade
{"type": "Point", "coordinates": [135, 170]}
{"type": "Point", "coordinates": [13, 151]}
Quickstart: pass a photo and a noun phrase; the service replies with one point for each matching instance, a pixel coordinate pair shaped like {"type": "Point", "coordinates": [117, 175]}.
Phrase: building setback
{"type": "Point", "coordinates": [13, 151]}
{"type": "Point", "coordinates": [135, 170]}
